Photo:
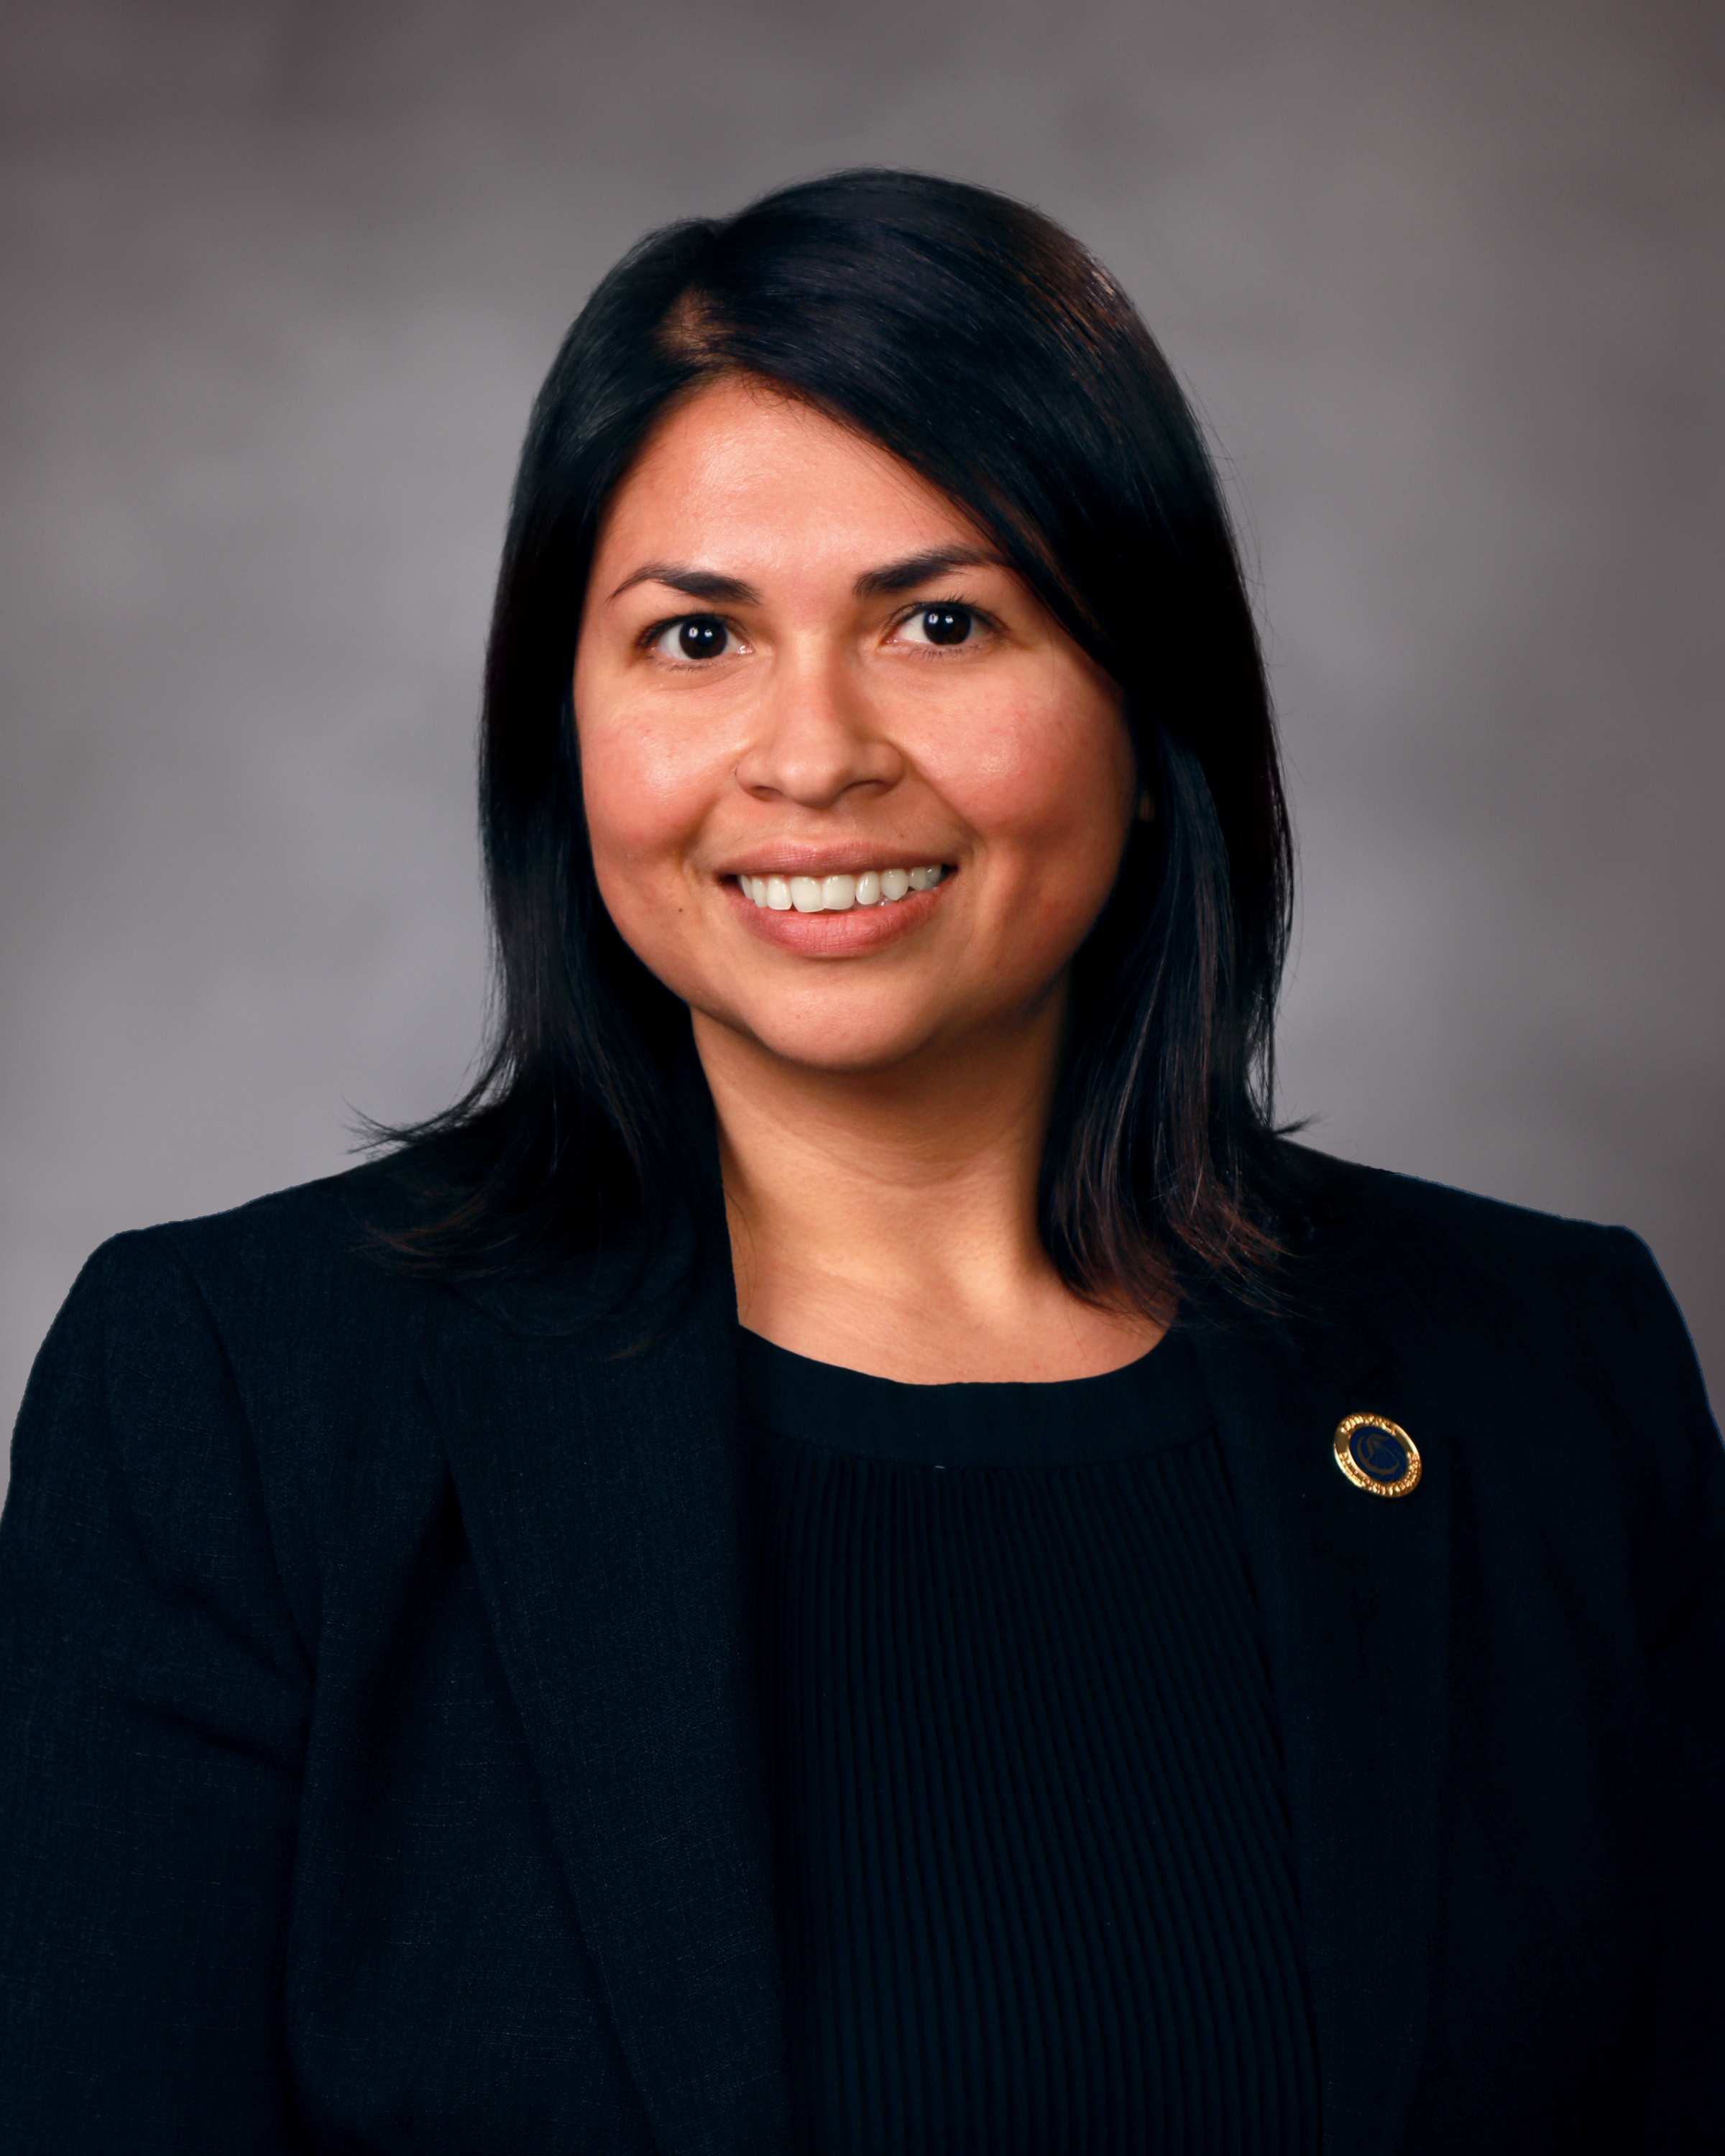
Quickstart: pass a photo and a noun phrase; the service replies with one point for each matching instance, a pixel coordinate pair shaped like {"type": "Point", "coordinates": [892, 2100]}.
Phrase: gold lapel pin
{"type": "Point", "coordinates": [1376, 1455]}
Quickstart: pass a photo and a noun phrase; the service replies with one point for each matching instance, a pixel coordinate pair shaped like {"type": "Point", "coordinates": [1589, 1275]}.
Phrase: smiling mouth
{"type": "Point", "coordinates": [837, 894]}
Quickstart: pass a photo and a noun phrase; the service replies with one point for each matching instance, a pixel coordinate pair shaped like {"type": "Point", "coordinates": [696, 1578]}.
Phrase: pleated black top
{"type": "Point", "coordinates": [1035, 1874]}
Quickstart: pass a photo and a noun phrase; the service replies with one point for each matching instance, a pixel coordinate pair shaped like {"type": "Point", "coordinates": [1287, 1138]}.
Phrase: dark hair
{"type": "Point", "coordinates": [977, 341]}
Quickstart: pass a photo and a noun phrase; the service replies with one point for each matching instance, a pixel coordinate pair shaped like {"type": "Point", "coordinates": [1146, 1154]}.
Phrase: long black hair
{"type": "Point", "coordinates": [977, 341]}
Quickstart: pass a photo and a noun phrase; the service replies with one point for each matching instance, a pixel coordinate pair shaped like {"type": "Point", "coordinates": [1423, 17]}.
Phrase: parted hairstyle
{"type": "Point", "coordinates": [977, 341]}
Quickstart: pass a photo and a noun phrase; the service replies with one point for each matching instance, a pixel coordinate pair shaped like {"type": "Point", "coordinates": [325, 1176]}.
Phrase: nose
{"type": "Point", "coordinates": [816, 737]}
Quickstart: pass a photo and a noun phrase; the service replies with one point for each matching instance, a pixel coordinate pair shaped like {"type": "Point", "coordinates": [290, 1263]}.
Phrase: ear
{"type": "Point", "coordinates": [1146, 807]}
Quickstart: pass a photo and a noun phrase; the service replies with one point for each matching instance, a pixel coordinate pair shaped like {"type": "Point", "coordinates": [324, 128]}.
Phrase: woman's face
{"type": "Point", "coordinates": [804, 678]}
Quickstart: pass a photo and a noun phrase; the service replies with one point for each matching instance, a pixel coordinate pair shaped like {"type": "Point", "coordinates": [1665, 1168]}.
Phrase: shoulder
{"type": "Point", "coordinates": [1334, 1191]}
{"type": "Point", "coordinates": [231, 1394]}
{"type": "Point", "coordinates": [298, 1264]}
{"type": "Point", "coordinates": [1373, 1232]}
{"type": "Point", "coordinates": [1556, 1342]}
{"type": "Point", "coordinates": [280, 1321]}
{"type": "Point", "coordinates": [1584, 1300]}
{"type": "Point", "coordinates": [1569, 1312]}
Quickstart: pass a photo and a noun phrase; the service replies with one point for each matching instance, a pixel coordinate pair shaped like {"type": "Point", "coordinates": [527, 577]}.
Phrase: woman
{"type": "Point", "coordinates": [852, 1553]}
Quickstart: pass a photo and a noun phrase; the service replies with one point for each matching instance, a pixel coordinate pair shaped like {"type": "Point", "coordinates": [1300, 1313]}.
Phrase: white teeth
{"type": "Point", "coordinates": [837, 894]}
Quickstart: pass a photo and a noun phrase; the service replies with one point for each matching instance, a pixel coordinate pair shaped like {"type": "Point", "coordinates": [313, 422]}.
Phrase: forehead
{"type": "Point", "coordinates": [742, 467]}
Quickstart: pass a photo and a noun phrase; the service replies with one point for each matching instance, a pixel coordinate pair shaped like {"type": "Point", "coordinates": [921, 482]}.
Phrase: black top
{"type": "Point", "coordinates": [378, 1761]}
{"type": "Point", "coordinates": [1035, 1876]}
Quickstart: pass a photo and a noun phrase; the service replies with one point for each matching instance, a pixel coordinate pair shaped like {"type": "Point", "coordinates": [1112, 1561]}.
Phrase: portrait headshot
{"type": "Point", "coordinates": [864, 1039]}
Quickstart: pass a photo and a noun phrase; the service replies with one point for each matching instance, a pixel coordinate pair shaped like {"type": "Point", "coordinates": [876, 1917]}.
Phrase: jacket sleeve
{"type": "Point", "coordinates": [1681, 1596]}
{"type": "Point", "coordinates": [154, 1693]}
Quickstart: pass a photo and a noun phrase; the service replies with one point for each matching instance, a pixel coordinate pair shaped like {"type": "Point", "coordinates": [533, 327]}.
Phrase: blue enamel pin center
{"type": "Point", "coordinates": [1377, 1455]}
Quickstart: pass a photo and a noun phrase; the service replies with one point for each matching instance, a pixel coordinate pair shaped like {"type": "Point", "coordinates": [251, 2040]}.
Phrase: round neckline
{"type": "Point", "coordinates": [1146, 1405]}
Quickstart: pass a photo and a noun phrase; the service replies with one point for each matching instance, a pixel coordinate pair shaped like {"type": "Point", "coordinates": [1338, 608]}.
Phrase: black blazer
{"type": "Point", "coordinates": [377, 1767]}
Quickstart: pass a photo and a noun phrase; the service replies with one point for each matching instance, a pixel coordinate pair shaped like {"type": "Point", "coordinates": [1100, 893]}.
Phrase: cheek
{"type": "Point", "coordinates": [645, 786]}
{"type": "Point", "coordinates": [643, 814]}
{"type": "Point", "coordinates": [1046, 772]}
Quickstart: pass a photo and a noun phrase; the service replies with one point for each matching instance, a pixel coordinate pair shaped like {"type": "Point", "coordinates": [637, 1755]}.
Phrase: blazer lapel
{"type": "Point", "coordinates": [601, 1495]}
{"type": "Point", "coordinates": [1353, 1592]}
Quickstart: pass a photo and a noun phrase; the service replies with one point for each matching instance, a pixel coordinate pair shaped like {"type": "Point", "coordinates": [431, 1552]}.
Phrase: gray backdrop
{"type": "Point", "coordinates": [280, 281]}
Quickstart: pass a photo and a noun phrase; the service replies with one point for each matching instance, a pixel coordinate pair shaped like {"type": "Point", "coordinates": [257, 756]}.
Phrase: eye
{"type": "Point", "coordinates": [938, 624]}
{"type": "Point", "coordinates": [694, 636]}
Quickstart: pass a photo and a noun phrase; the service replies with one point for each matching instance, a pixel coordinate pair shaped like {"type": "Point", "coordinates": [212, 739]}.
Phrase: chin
{"type": "Point", "coordinates": [824, 1041]}
{"type": "Point", "coordinates": [841, 1057]}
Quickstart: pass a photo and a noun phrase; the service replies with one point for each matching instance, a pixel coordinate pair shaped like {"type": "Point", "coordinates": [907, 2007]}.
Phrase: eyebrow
{"type": "Point", "coordinates": [698, 583]}
{"type": "Point", "coordinates": [921, 569]}
{"type": "Point", "coordinates": [883, 582]}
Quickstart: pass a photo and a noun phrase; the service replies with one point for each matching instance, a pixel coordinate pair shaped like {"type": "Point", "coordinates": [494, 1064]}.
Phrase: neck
{"type": "Point", "coordinates": [887, 1219]}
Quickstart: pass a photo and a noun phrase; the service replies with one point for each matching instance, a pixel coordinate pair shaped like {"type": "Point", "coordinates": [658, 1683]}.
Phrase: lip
{"type": "Point", "coordinates": [835, 935]}
{"type": "Point", "coordinates": [841, 857]}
